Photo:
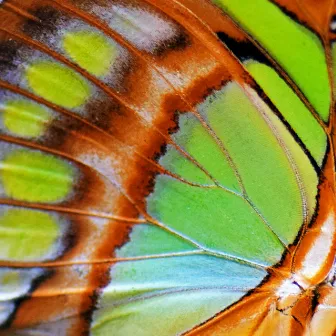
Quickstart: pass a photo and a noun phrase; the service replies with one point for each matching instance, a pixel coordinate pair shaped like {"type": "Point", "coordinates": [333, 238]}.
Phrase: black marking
{"type": "Point", "coordinates": [46, 23]}
{"type": "Point", "coordinates": [297, 284]}
{"type": "Point", "coordinates": [315, 299]}
{"type": "Point", "coordinates": [87, 315]}
{"type": "Point", "coordinates": [8, 53]}
{"type": "Point", "coordinates": [101, 112]}
{"type": "Point", "coordinates": [149, 184]}
{"type": "Point", "coordinates": [69, 239]}
{"type": "Point", "coordinates": [177, 43]}
{"type": "Point", "coordinates": [175, 126]}
{"type": "Point", "coordinates": [162, 152]}
{"type": "Point", "coordinates": [298, 321]}
{"type": "Point", "coordinates": [105, 278]}
{"type": "Point", "coordinates": [243, 50]}
{"type": "Point", "coordinates": [59, 129]}
{"type": "Point", "coordinates": [332, 26]}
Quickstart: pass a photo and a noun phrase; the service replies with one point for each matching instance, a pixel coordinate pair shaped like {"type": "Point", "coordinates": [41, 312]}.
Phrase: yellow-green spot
{"type": "Point", "coordinates": [58, 84]}
{"type": "Point", "coordinates": [26, 235]}
{"type": "Point", "coordinates": [36, 177]}
{"type": "Point", "coordinates": [92, 51]}
{"type": "Point", "coordinates": [25, 118]}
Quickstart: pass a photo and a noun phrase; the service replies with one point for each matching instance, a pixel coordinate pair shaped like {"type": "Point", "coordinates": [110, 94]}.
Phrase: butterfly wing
{"type": "Point", "coordinates": [158, 159]}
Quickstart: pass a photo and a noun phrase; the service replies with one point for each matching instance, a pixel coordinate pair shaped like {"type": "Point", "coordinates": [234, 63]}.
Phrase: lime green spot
{"type": "Point", "coordinates": [296, 49]}
{"type": "Point", "coordinates": [292, 108]}
{"type": "Point", "coordinates": [58, 84]}
{"type": "Point", "coordinates": [25, 119]}
{"type": "Point", "coordinates": [36, 177]}
{"type": "Point", "coordinates": [26, 235]}
{"type": "Point", "coordinates": [92, 51]}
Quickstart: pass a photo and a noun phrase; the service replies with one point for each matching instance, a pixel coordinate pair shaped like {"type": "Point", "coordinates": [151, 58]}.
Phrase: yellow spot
{"type": "Point", "coordinates": [92, 51]}
{"type": "Point", "coordinates": [36, 177]}
{"type": "Point", "coordinates": [25, 119]}
{"type": "Point", "coordinates": [58, 84]}
{"type": "Point", "coordinates": [26, 235]}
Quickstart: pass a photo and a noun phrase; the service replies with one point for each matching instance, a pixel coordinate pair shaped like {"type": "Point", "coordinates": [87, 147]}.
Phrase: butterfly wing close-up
{"type": "Point", "coordinates": [167, 167]}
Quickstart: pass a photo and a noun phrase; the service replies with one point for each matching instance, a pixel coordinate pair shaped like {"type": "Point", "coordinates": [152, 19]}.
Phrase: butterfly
{"type": "Point", "coordinates": [167, 167]}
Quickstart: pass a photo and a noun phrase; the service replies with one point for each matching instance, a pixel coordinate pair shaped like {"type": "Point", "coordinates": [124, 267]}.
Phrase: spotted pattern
{"type": "Point", "coordinates": [27, 175]}
{"type": "Point", "coordinates": [91, 51]}
{"type": "Point", "coordinates": [57, 84]}
{"type": "Point", "coordinates": [25, 118]}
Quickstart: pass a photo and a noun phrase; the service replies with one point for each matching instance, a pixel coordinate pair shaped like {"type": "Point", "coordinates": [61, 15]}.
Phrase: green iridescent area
{"type": "Point", "coordinates": [246, 190]}
{"type": "Point", "coordinates": [294, 47]}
